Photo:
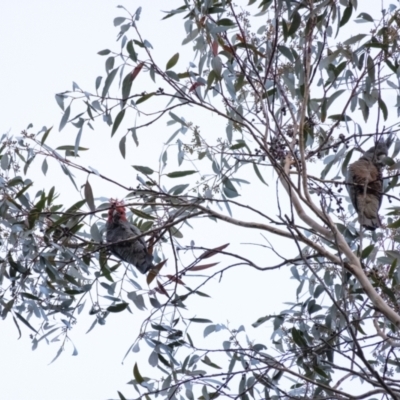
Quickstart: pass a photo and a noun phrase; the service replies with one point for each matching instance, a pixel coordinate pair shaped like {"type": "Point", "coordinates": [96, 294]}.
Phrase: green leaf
{"type": "Point", "coordinates": [179, 174]}
{"type": "Point", "coordinates": [46, 134]}
{"type": "Point", "coordinates": [331, 99]}
{"type": "Point", "coordinates": [229, 190]}
{"type": "Point", "coordinates": [200, 320]}
{"type": "Point", "coordinates": [71, 148]}
{"type": "Point", "coordinates": [104, 52]}
{"type": "Point", "coordinates": [190, 36]}
{"type": "Point", "coordinates": [98, 82]}
{"type": "Point", "coordinates": [44, 167]}
{"type": "Point", "coordinates": [364, 109]}
{"type": "Point", "coordinates": [137, 375]}
{"type": "Point", "coordinates": [237, 146]}
{"type": "Point", "coordinates": [64, 118]}
{"type": "Point", "coordinates": [176, 11]}
{"type": "Point", "coordinates": [141, 214]}
{"type": "Point", "coordinates": [118, 121]}
{"type": "Point", "coordinates": [340, 117]}
{"type": "Point", "coordinates": [21, 318]}
{"type": "Point", "coordinates": [30, 296]}
{"type": "Point", "coordinates": [390, 293]}
{"type": "Point", "coordinates": [178, 189]}
{"type": "Point", "coordinates": [143, 170]}
{"type": "Point", "coordinates": [394, 225]}
{"type": "Point", "coordinates": [207, 361]}
{"type": "Point", "coordinates": [110, 64]}
{"type": "Point", "coordinates": [392, 268]}
{"type": "Point", "coordinates": [383, 108]}
{"type": "Point", "coordinates": [177, 119]}
{"type": "Point", "coordinates": [144, 98]}
{"type": "Point", "coordinates": [122, 147]}
{"type": "Point", "coordinates": [298, 338]}
{"type": "Point", "coordinates": [209, 329]}
{"type": "Point", "coordinates": [95, 233]}
{"type": "Point", "coordinates": [346, 15]}
{"type": "Point", "coordinates": [126, 86]}
{"type": "Point", "coordinates": [176, 232]}
{"type": "Point", "coordinates": [172, 61]}
{"type": "Point", "coordinates": [225, 22]}
{"type": "Point", "coordinates": [117, 307]}
{"type": "Point", "coordinates": [258, 173]}
{"type": "Point", "coordinates": [261, 321]}
{"type": "Point", "coordinates": [323, 110]}
{"type": "Point", "coordinates": [131, 51]}
{"type": "Point", "coordinates": [121, 396]}
{"type": "Point", "coordinates": [75, 207]}
{"type": "Point", "coordinates": [354, 39]}
{"type": "Point", "coordinates": [365, 16]}
{"type": "Point", "coordinates": [295, 23]}
{"type": "Point", "coordinates": [119, 20]}
{"type": "Point", "coordinates": [346, 162]}
{"type": "Point", "coordinates": [137, 299]}
{"type": "Point", "coordinates": [318, 290]}
{"type": "Point", "coordinates": [286, 52]}
{"type": "Point", "coordinates": [109, 81]}
{"type": "Point", "coordinates": [89, 196]}
{"type": "Point", "coordinates": [285, 29]}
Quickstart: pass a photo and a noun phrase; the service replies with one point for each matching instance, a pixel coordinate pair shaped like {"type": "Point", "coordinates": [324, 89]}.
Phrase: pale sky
{"type": "Point", "coordinates": [44, 46]}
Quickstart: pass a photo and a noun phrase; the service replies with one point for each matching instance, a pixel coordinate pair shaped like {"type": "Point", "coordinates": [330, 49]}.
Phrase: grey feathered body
{"type": "Point", "coordinates": [132, 251]}
{"type": "Point", "coordinates": [365, 185]}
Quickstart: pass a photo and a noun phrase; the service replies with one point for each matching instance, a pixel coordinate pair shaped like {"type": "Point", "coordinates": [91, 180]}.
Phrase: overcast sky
{"type": "Point", "coordinates": [44, 46]}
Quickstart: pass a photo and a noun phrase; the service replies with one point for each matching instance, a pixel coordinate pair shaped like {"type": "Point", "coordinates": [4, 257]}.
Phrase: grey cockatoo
{"type": "Point", "coordinates": [118, 230]}
{"type": "Point", "coordinates": [365, 184]}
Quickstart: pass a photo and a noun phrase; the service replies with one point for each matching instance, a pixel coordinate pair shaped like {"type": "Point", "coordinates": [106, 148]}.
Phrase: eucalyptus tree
{"type": "Point", "coordinates": [301, 95]}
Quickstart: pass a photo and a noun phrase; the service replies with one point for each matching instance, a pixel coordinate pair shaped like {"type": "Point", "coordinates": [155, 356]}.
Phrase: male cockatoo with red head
{"type": "Point", "coordinates": [119, 231]}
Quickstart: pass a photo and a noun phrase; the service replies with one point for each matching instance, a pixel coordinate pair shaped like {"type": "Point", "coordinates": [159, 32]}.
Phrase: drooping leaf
{"type": "Point", "coordinates": [109, 81]}
{"type": "Point", "coordinates": [89, 196]}
{"type": "Point", "coordinates": [21, 318]}
{"type": "Point", "coordinates": [258, 173]}
{"type": "Point", "coordinates": [64, 118]}
{"type": "Point", "coordinates": [118, 121]}
{"type": "Point", "coordinates": [46, 134]}
{"type": "Point", "coordinates": [172, 61]}
{"type": "Point", "coordinates": [122, 146]}
{"type": "Point", "coordinates": [137, 375]}
{"type": "Point", "coordinates": [136, 71]}
{"type": "Point", "coordinates": [295, 23]}
{"type": "Point", "coordinates": [346, 15]}
{"type": "Point", "coordinates": [131, 51]}
{"type": "Point", "coordinates": [155, 271]}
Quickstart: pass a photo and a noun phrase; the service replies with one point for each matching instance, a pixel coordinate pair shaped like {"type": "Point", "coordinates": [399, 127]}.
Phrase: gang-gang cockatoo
{"type": "Point", "coordinates": [119, 230]}
{"type": "Point", "coordinates": [365, 186]}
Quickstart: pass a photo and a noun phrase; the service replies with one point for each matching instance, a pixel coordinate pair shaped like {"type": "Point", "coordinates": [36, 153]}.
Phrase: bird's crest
{"type": "Point", "coordinates": [117, 206]}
